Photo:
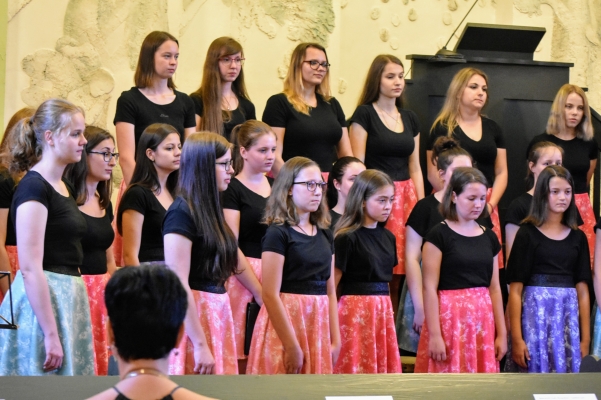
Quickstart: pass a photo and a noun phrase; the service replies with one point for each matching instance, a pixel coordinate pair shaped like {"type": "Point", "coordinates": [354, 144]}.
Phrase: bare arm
{"type": "Point", "coordinates": [433, 176]}
{"type": "Point", "coordinates": [344, 145]}
{"type": "Point", "coordinates": [597, 266]}
{"type": "Point", "coordinates": [126, 141]}
{"type": "Point", "coordinates": [415, 170]}
{"type": "Point", "coordinates": [178, 253]}
{"type": "Point", "coordinates": [111, 266]}
{"type": "Point", "coordinates": [131, 226]}
{"type": "Point", "coordinates": [497, 308]}
{"type": "Point", "coordinates": [432, 258]}
{"type": "Point", "coordinates": [4, 261]}
{"type": "Point", "coordinates": [500, 183]}
{"type": "Point", "coordinates": [279, 150]}
{"type": "Point", "coordinates": [333, 306]}
{"type": "Point", "coordinates": [413, 257]}
{"type": "Point", "coordinates": [519, 350]}
{"type": "Point", "coordinates": [584, 310]}
{"type": "Point", "coordinates": [358, 140]}
{"type": "Point", "coordinates": [197, 122]}
{"type": "Point", "coordinates": [232, 218]}
{"type": "Point", "coordinates": [510, 231]}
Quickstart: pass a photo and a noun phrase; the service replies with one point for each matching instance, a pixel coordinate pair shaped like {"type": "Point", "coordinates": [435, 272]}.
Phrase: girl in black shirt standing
{"type": "Point", "coordinates": [340, 181]}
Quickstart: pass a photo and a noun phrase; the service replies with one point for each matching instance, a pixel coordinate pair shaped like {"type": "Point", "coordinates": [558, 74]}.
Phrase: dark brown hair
{"type": "Point", "coordinates": [145, 69]}
{"type": "Point", "coordinates": [445, 150]}
{"type": "Point", "coordinates": [371, 88]}
{"type": "Point", "coordinates": [462, 176]}
{"type": "Point", "coordinates": [246, 135]}
{"type": "Point", "coordinates": [536, 151]}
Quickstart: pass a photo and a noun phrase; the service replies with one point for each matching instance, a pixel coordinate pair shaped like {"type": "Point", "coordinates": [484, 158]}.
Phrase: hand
{"type": "Point", "coordinates": [437, 349]}
{"type": "Point", "coordinates": [500, 347]}
{"type": "Point", "coordinates": [204, 363]}
{"type": "Point", "coordinates": [293, 360]}
{"type": "Point", "coordinates": [585, 348]}
{"type": "Point", "coordinates": [54, 353]}
{"type": "Point", "coordinates": [520, 353]}
{"type": "Point", "coordinates": [335, 352]}
{"type": "Point", "coordinates": [418, 321]}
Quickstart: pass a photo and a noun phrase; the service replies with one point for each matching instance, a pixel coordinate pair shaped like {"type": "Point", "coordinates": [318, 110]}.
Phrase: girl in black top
{"type": "Point", "coordinates": [340, 180]}
{"type": "Point", "coordinates": [305, 118]}
{"type": "Point", "coordinates": [464, 329]}
{"type": "Point", "coordinates": [150, 194]}
{"type": "Point", "coordinates": [52, 310]}
{"type": "Point", "coordinates": [202, 250]}
{"type": "Point", "coordinates": [222, 102]}
{"type": "Point", "coordinates": [92, 180]}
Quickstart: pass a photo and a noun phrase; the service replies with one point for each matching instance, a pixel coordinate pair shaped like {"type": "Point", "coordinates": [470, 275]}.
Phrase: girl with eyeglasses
{"type": "Point", "coordinates": [297, 327]}
{"type": "Point", "coordinates": [92, 177]}
{"type": "Point", "coordinates": [202, 250]}
{"type": "Point", "coordinates": [306, 119]}
{"type": "Point", "coordinates": [151, 192]}
{"type": "Point", "coordinates": [221, 102]}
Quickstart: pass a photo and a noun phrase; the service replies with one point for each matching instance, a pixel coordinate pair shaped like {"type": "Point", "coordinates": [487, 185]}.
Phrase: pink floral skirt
{"type": "Point", "coordinates": [95, 285]}
{"type": "Point", "coordinates": [405, 197]}
{"type": "Point", "coordinates": [368, 336]}
{"type": "Point", "coordinates": [468, 330]}
{"type": "Point", "coordinates": [309, 317]}
{"type": "Point", "coordinates": [13, 260]}
{"type": "Point", "coordinates": [583, 203]}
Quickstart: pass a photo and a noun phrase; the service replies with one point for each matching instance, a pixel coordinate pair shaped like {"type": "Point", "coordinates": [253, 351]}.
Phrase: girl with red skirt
{"type": "Point", "coordinates": [365, 258]}
{"type": "Point", "coordinates": [297, 328]}
{"type": "Point", "coordinates": [465, 328]}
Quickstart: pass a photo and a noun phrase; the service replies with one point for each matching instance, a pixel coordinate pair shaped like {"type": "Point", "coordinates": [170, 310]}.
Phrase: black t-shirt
{"type": "Point", "coordinates": [135, 108]}
{"type": "Point", "coordinates": [484, 151]}
{"type": "Point", "coordinates": [520, 208]}
{"type": "Point", "coordinates": [251, 206]}
{"type": "Point", "coordinates": [142, 200]}
{"type": "Point", "coordinates": [98, 238]}
{"type": "Point", "coordinates": [334, 217]}
{"type": "Point", "coordinates": [577, 157]}
{"type": "Point", "coordinates": [314, 136]}
{"type": "Point", "coordinates": [467, 262]}
{"type": "Point", "coordinates": [366, 255]}
{"type": "Point", "coordinates": [386, 150]}
{"type": "Point", "coordinates": [7, 190]}
{"type": "Point", "coordinates": [307, 258]}
{"type": "Point", "coordinates": [244, 112]}
{"type": "Point", "coordinates": [534, 253]}
{"type": "Point", "coordinates": [65, 225]}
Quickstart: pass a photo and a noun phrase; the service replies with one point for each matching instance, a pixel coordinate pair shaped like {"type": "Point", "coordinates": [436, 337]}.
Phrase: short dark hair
{"type": "Point", "coordinates": [462, 176]}
{"type": "Point", "coordinates": [146, 306]}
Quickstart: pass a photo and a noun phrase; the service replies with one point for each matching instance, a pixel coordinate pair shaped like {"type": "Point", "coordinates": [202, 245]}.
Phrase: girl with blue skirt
{"type": "Point", "coordinates": [51, 307]}
{"type": "Point", "coordinates": [548, 271]}
{"type": "Point", "coordinates": [596, 331]}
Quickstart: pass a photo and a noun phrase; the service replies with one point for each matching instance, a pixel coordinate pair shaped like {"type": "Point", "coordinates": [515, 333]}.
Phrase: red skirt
{"type": "Point", "coordinates": [405, 197]}
{"type": "Point", "coordinates": [239, 298]}
{"type": "Point", "coordinates": [368, 336]}
{"type": "Point", "coordinates": [494, 216]}
{"type": "Point", "coordinates": [309, 316]}
{"type": "Point", "coordinates": [118, 241]}
{"type": "Point", "coordinates": [216, 321]}
{"type": "Point", "coordinates": [95, 285]}
{"type": "Point", "coordinates": [468, 330]}
{"type": "Point", "coordinates": [13, 260]}
{"type": "Point", "coordinates": [583, 203]}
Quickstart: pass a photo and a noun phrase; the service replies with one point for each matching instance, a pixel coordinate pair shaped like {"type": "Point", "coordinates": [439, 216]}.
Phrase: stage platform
{"type": "Point", "coordinates": [316, 387]}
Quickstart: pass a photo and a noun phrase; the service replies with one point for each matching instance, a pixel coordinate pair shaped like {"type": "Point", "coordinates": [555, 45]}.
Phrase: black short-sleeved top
{"type": "Point", "coordinates": [251, 206]}
{"type": "Point", "coordinates": [98, 238]}
{"type": "Point", "coordinates": [386, 150]}
{"type": "Point", "coordinates": [577, 157]}
{"type": "Point", "coordinates": [307, 258]}
{"type": "Point", "coordinates": [366, 255]}
{"type": "Point", "coordinates": [314, 136]}
{"type": "Point", "coordinates": [334, 217]}
{"type": "Point", "coordinates": [7, 190]}
{"type": "Point", "coordinates": [467, 262]}
{"type": "Point", "coordinates": [244, 112]}
{"type": "Point", "coordinates": [65, 226]}
{"type": "Point", "coordinates": [135, 108]}
{"type": "Point", "coordinates": [484, 151]}
{"type": "Point", "coordinates": [534, 253]}
{"type": "Point", "coordinates": [142, 200]}
{"type": "Point", "coordinates": [520, 208]}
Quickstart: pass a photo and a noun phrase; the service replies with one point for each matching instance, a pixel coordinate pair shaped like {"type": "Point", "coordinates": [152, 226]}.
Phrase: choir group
{"type": "Point", "coordinates": [240, 211]}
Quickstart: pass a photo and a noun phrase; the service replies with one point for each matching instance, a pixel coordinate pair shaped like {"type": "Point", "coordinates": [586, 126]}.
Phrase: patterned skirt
{"type": "Point", "coordinates": [494, 216]}
{"type": "Point", "coordinates": [13, 260]}
{"type": "Point", "coordinates": [468, 330]}
{"type": "Point", "coordinates": [551, 330]}
{"type": "Point", "coordinates": [583, 203]}
{"type": "Point", "coordinates": [239, 298]}
{"type": "Point", "coordinates": [405, 198]}
{"type": "Point", "coordinates": [215, 316]}
{"type": "Point", "coordinates": [367, 335]}
{"type": "Point", "coordinates": [407, 338]}
{"type": "Point", "coordinates": [22, 350]}
{"type": "Point", "coordinates": [95, 285]}
{"type": "Point", "coordinates": [596, 331]}
{"type": "Point", "coordinates": [309, 317]}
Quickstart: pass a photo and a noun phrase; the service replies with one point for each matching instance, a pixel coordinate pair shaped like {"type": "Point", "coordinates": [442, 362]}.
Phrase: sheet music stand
{"type": "Point", "coordinates": [7, 324]}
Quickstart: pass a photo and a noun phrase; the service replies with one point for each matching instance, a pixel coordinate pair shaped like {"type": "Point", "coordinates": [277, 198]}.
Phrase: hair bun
{"type": "Point", "coordinates": [443, 143]}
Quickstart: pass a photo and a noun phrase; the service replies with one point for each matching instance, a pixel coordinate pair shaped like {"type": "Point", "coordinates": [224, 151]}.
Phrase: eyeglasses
{"type": "Point", "coordinates": [312, 185]}
{"type": "Point", "coordinates": [106, 155]}
{"type": "Point", "coordinates": [226, 165]}
{"type": "Point", "coordinates": [314, 64]}
{"type": "Point", "coordinates": [228, 60]}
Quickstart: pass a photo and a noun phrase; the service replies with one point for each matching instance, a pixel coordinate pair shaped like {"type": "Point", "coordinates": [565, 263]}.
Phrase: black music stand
{"type": "Point", "coordinates": [7, 324]}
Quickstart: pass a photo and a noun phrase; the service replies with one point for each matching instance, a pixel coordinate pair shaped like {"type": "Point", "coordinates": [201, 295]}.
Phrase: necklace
{"type": "Point", "coordinates": [395, 119]}
{"type": "Point", "coordinates": [299, 227]}
{"type": "Point", "coordinates": [144, 371]}
{"type": "Point", "coordinates": [227, 103]}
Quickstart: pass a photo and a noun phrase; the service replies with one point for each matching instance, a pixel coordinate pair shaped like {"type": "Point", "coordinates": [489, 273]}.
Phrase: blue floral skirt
{"type": "Point", "coordinates": [22, 350]}
{"type": "Point", "coordinates": [407, 338]}
{"type": "Point", "coordinates": [596, 331]}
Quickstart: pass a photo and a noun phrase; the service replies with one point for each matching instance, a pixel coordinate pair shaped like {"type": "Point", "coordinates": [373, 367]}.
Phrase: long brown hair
{"type": "Point", "coordinates": [462, 176]}
{"type": "Point", "coordinates": [145, 69]}
{"type": "Point", "coordinates": [371, 88]}
{"type": "Point", "coordinates": [246, 135]}
{"type": "Point", "coordinates": [213, 116]}
{"type": "Point", "coordinates": [9, 137]}
{"type": "Point", "coordinates": [584, 130]}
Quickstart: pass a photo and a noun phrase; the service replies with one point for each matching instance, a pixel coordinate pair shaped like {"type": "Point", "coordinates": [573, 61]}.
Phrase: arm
{"type": "Point", "coordinates": [111, 266]}
{"type": "Point", "coordinates": [31, 228]}
{"type": "Point", "coordinates": [197, 122]}
{"type": "Point", "coordinates": [591, 171]}
{"type": "Point", "coordinates": [519, 350]}
{"type": "Point", "coordinates": [358, 140]}
{"type": "Point", "coordinates": [415, 170]}
{"type": "Point", "coordinates": [344, 145]}
{"type": "Point", "coordinates": [584, 317]}
{"type": "Point", "coordinates": [497, 309]}
{"type": "Point", "coordinates": [333, 307]}
{"type": "Point", "coordinates": [432, 170]}
{"type": "Point", "coordinates": [178, 251]}
{"type": "Point", "coordinates": [4, 261]}
{"type": "Point", "coordinates": [510, 231]}
{"type": "Point", "coordinates": [413, 257]}
{"type": "Point", "coordinates": [131, 226]}
{"type": "Point", "coordinates": [126, 139]}
{"type": "Point", "coordinates": [500, 183]}
{"type": "Point", "coordinates": [189, 131]}
{"type": "Point", "coordinates": [273, 266]}
{"type": "Point", "coordinates": [432, 258]}
{"type": "Point", "coordinates": [279, 150]}
{"type": "Point", "coordinates": [597, 265]}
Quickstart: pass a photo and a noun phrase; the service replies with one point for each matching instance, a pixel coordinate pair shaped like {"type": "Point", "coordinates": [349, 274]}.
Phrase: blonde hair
{"type": "Point", "coordinates": [584, 130]}
{"type": "Point", "coordinates": [293, 84]}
